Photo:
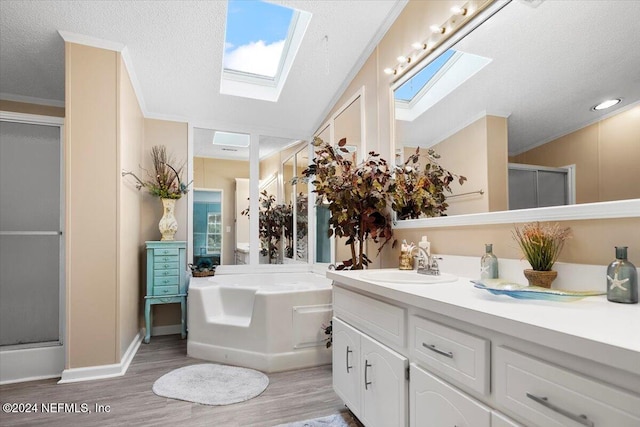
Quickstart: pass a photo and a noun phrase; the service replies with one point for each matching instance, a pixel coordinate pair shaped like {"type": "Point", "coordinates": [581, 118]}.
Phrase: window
{"type": "Point", "coordinates": [261, 42]}
{"type": "Point", "coordinates": [214, 233]}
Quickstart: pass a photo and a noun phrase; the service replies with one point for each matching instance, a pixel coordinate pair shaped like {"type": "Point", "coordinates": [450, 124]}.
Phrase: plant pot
{"type": "Point", "coordinates": [168, 225]}
{"type": "Point", "coordinates": [542, 279]}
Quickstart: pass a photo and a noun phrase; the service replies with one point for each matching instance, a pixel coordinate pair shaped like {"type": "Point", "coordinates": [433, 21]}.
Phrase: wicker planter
{"type": "Point", "coordinates": [542, 279]}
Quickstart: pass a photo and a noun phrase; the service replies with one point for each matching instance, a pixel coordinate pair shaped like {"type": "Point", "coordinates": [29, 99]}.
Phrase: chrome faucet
{"type": "Point", "coordinates": [428, 264]}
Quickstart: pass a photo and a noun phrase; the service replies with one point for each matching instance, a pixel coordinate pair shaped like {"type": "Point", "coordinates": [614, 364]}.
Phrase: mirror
{"type": "Point", "coordinates": [348, 122]}
{"type": "Point", "coordinates": [278, 201]}
{"type": "Point", "coordinates": [221, 168]}
{"type": "Point", "coordinates": [515, 96]}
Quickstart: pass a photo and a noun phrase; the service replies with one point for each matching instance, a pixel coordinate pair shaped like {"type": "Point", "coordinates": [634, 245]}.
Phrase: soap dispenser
{"type": "Point", "coordinates": [425, 244]}
{"type": "Point", "coordinates": [488, 263]}
{"type": "Point", "coordinates": [622, 279]}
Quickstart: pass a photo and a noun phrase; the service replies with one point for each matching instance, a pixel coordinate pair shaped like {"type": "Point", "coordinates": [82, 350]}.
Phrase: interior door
{"type": "Point", "coordinates": [30, 234]}
{"type": "Point", "coordinates": [384, 385]}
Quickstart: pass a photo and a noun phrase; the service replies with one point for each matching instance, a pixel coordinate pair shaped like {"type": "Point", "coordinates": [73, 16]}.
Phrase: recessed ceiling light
{"type": "Point", "coordinates": [606, 104]}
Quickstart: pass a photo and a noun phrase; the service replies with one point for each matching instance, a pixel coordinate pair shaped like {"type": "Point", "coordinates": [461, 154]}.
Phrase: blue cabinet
{"type": "Point", "coordinates": [166, 280]}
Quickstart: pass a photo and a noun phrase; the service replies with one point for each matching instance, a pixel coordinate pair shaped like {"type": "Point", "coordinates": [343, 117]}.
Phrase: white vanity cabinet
{"type": "Point", "coordinates": [369, 377]}
{"type": "Point", "coordinates": [480, 362]}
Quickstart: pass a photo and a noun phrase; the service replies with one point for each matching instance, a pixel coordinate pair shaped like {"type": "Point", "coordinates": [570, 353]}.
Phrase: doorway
{"type": "Point", "coordinates": [31, 247]}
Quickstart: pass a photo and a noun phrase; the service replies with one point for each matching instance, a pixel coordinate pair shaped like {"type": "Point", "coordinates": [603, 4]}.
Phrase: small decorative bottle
{"type": "Point", "coordinates": [622, 279]}
{"type": "Point", "coordinates": [488, 263]}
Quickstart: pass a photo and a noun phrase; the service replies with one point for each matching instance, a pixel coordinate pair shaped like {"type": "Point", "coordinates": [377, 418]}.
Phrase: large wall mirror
{"type": "Point", "coordinates": [222, 182]}
{"type": "Point", "coordinates": [348, 121]}
{"type": "Point", "coordinates": [510, 104]}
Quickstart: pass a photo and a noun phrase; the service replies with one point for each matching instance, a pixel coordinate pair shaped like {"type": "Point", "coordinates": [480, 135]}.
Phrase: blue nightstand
{"type": "Point", "coordinates": [166, 280]}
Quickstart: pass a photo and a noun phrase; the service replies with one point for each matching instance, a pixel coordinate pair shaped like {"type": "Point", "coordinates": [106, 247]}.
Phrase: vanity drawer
{"type": "Point", "coordinates": [165, 265]}
{"type": "Point", "coordinates": [548, 395]}
{"type": "Point", "coordinates": [165, 290]}
{"type": "Point", "coordinates": [383, 321]}
{"type": "Point", "coordinates": [160, 259]}
{"type": "Point", "coordinates": [165, 281]}
{"type": "Point", "coordinates": [158, 252]}
{"type": "Point", "coordinates": [453, 354]}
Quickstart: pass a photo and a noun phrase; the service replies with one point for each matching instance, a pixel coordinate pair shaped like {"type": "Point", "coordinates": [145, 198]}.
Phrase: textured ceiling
{"type": "Point", "coordinates": [176, 49]}
{"type": "Point", "coordinates": [551, 64]}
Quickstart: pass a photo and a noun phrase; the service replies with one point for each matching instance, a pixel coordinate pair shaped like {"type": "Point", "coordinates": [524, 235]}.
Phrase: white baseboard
{"type": "Point", "coordinates": [166, 330]}
{"type": "Point", "coordinates": [104, 371]}
{"type": "Point", "coordinates": [30, 364]}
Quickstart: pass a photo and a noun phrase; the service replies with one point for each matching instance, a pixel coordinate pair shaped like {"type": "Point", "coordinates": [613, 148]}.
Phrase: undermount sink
{"type": "Point", "coordinates": [407, 276]}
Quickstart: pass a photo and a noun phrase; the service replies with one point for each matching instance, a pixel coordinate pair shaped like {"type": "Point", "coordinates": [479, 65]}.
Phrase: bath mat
{"type": "Point", "coordinates": [343, 419]}
{"type": "Point", "coordinates": [211, 384]}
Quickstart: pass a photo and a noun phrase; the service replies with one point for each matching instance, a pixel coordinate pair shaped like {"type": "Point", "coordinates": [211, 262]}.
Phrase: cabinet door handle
{"type": "Point", "coordinates": [348, 367]}
{"type": "Point", "coordinates": [581, 419]}
{"type": "Point", "coordinates": [366, 382]}
{"type": "Point", "coordinates": [437, 350]}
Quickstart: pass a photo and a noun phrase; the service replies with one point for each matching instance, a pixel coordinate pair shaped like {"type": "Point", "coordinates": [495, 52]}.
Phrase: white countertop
{"type": "Point", "coordinates": [592, 328]}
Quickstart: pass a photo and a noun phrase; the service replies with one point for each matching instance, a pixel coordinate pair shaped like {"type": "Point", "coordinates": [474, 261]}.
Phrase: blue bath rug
{"type": "Point", "coordinates": [343, 419]}
{"type": "Point", "coordinates": [211, 384]}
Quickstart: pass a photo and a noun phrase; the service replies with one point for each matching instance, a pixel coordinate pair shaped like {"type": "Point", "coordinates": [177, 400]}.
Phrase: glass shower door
{"type": "Point", "coordinates": [30, 234]}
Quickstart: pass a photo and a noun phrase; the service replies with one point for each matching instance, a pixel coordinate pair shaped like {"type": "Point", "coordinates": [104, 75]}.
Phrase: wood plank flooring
{"type": "Point", "coordinates": [291, 396]}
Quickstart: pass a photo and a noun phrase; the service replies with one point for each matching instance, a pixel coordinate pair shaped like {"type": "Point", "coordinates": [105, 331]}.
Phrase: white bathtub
{"type": "Point", "coordinates": [271, 322]}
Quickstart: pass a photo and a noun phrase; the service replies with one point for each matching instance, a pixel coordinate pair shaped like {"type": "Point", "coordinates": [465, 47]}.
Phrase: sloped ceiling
{"type": "Point", "coordinates": [176, 50]}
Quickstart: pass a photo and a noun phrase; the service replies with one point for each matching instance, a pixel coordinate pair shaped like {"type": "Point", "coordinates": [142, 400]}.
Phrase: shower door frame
{"type": "Point", "coordinates": [49, 357]}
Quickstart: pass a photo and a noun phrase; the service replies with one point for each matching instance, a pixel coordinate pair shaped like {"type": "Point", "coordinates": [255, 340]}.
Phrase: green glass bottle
{"type": "Point", "coordinates": [488, 263]}
{"type": "Point", "coordinates": [622, 279]}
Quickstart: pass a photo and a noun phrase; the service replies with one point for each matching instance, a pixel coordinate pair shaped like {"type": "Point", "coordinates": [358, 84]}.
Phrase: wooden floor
{"type": "Point", "coordinates": [291, 396]}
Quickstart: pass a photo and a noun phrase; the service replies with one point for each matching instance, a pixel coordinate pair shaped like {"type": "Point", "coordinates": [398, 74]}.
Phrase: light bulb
{"type": "Point", "coordinates": [437, 29]}
{"type": "Point", "coordinates": [457, 10]}
{"type": "Point", "coordinates": [389, 71]}
{"type": "Point", "coordinates": [401, 58]}
{"type": "Point", "coordinates": [417, 45]}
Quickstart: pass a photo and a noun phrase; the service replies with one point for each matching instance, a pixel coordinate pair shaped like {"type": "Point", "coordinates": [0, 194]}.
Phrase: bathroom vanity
{"type": "Point", "coordinates": [446, 354]}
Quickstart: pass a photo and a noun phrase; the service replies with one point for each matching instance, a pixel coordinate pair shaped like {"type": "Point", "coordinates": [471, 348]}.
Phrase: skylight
{"type": "Point", "coordinates": [435, 81]}
{"type": "Point", "coordinates": [230, 139]}
{"type": "Point", "coordinates": [410, 89]}
{"type": "Point", "coordinates": [262, 40]}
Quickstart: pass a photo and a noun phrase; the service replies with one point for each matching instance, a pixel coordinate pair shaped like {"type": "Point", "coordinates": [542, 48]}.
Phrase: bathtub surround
{"type": "Point", "coordinates": [211, 384]}
{"type": "Point", "coordinates": [270, 322]}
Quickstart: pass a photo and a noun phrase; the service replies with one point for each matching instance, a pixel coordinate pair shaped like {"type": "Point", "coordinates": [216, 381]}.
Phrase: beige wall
{"type": "Point", "coordinates": [92, 181]}
{"type": "Point", "coordinates": [221, 174]}
{"type": "Point", "coordinates": [593, 240]}
{"type": "Point", "coordinates": [174, 136]}
{"type": "Point", "coordinates": [103, 135]}
{"type": "Point", "coordinates": [130, 145]}
{"type": "Point", "coordinates": [487, 139]}
{"type": "Point", "coordinates": [606, 155]}
{"type": "Point", "coordinates": [26, 108]}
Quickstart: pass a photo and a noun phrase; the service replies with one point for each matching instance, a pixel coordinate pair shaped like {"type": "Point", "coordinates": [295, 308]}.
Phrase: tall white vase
{"type": "Point", "coordinates": [168, 224]}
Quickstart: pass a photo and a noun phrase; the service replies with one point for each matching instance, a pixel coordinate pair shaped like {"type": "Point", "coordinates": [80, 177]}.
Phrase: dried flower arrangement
{"type": "Point", "coordinates": [541, 243]}
{"type": "Point", "coordinates": [419, 192]}
{"type": "Point", "coordinates": [165, 183]}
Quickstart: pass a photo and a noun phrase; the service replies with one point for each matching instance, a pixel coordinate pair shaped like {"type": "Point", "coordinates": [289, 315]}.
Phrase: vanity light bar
{"type": "Point", "coordinates": [459, 15]}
